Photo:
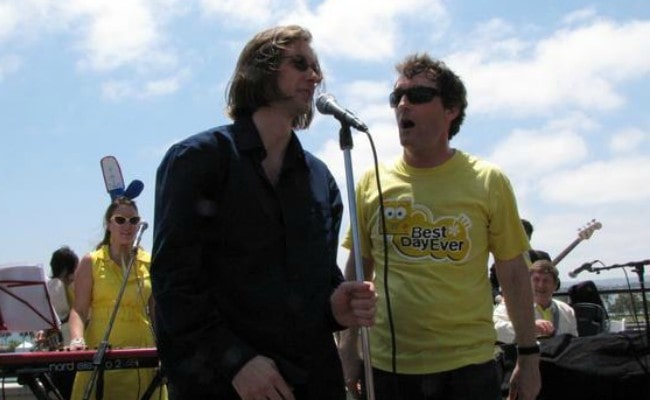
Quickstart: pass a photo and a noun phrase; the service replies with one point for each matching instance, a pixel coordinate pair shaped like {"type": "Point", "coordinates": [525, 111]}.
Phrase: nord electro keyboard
{"type": "Point", "coordinates": [34, 369]}
{"type": "Point", "coordinates": [80, 360]}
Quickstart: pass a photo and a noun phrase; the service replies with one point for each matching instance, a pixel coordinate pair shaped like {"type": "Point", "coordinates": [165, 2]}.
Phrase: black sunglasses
{"type": "Point", "coordinates": [300, 63]}
{"type": "Point", "coordinates": [415, 95]}
{"type": "Point", "coordinates": [120, 220]}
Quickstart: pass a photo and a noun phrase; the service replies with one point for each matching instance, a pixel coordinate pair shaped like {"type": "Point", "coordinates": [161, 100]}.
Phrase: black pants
{"type": "Point", "coordinates": [471, 382]}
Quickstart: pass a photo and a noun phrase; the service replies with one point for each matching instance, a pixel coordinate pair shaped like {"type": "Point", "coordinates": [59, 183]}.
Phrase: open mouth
{"type": "Point", "coordinates": [406, 123]}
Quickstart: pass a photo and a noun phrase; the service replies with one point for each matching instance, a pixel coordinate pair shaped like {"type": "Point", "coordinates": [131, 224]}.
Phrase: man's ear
{"type": "Point", "coordinates": [451, 113]}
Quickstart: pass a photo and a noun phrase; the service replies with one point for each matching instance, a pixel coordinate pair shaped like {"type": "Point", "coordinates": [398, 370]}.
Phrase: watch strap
{"type": "Point", "coordinates": [527, 350]}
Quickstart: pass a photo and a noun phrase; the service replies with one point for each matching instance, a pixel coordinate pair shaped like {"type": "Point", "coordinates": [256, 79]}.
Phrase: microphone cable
{"type": "Point", "coordinates": [391, 323]}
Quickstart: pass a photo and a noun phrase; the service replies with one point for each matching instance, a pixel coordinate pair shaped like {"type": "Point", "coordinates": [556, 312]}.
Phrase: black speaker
{"type": "Point", "coordinates": [602, 367]}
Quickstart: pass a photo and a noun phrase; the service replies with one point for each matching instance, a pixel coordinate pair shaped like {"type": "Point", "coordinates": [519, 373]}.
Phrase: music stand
{"type": "Point", "coordinates": [25, 305]}
{"type": "Point", "coordinates": [24, 300]}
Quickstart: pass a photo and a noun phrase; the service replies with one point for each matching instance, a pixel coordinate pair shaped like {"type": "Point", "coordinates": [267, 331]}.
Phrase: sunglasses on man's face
{"type": "Point", "coordinates": [300, 63]}
{"type": "Point", "coordinates": [120, 220]}
{"type": "Point", "coordinates": [415, 95]}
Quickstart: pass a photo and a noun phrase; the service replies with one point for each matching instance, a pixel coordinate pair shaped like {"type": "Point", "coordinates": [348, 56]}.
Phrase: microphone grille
{"type": "Point", "coordinates": [323, 103]}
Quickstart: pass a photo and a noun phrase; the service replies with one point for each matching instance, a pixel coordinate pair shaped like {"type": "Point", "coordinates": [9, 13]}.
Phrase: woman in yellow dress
{"type": "Point", "coordinates": [98, 280]}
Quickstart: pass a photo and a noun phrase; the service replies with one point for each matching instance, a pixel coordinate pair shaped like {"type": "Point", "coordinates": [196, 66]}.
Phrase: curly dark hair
{"type": "Point", "coordinates": [451, 87]}
{"type": "Point", "coordinates": [254, 82]}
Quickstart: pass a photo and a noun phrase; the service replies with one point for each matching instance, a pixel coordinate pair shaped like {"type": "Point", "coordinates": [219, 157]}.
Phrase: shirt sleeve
{"type": "Point", "coordinates": [502, 324]}
{"type": "Point", "coordinates": [507, 236]}
{"type": "Point", "coordinates": [58, 297]}
{"type": "Point", "coordinates": [193, 337]}
{"type": "Point", "coordinates": [336, 208]}
{"type": "Point", "coordinates": [569, 318]}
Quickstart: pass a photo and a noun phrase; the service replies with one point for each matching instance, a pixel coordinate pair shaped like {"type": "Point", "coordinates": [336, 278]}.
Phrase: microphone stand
{"type": "Point", "coordinates": [99, 357]}
{"type": "Point", "coordinates": [638, 267]}
{"type": "Point", "coordinates": [345, 142]}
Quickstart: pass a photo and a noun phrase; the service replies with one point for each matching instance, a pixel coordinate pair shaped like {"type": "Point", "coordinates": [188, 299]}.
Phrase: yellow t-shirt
{"type": "Point", "coordinates": [441, 223]}
{"type": "Point", "coordinates": [545, 313]}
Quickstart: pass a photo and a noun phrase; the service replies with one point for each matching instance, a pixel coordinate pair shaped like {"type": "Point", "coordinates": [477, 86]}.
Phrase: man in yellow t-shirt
{"type": "Point", "coordinates": [444, 211]}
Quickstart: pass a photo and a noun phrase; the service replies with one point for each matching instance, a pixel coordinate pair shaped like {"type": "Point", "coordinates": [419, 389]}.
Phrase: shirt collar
{"type": "Point", "coordinates": [247, 139]}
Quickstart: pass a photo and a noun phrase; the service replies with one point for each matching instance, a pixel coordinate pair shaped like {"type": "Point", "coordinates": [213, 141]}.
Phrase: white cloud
{"type": "Point", "coordinates": [495, 28]}
{"type": "Point", "coordinates": [107, 34]}
{"type": "Point", "coordinates": [620, 180]}
{"type": "Point", "coordinates": [237, 12]}
{"type": "Point", "coordinates": [162, 86]}
{"type": "Point", "coordinates": [8, 20]}
{"type": "Point", "coordinates": [22, 21]}
{"type": "Point", "coordinates": [116, 33]}
{"type": "Point", "coordinates": [628, 140]}
{"type": "Point", "coordinates": [116, 90]}
{"type": "Point", "coordinates": [579, 16]}
{"type": "Point", "coordinates": [528, 154]}
{"type": "Point", "coordinates": [368, 100]}
{"type": "Point", "coordinates": [360, 30]}
{"type": "Point", "coordinates": [101, 27]}
{"type": "Point", "coordinates": [339, 31]}
{"type": "Point", "coordinates": [576, 67]}
{"type": "Point", "coordinates": [533, 153]}
{"type": "Point", "coordinates": [369, 89]}
{"type": "Point", "coordinates": [369, 30]}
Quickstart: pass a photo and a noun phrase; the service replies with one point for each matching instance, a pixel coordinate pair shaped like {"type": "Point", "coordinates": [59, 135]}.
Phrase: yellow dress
{"type": "Point", "coordinates": [131, 329]}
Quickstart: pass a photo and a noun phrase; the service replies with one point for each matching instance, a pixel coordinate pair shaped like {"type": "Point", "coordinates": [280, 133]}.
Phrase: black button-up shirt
{"type": "Point", "coordinates": [242, 267]}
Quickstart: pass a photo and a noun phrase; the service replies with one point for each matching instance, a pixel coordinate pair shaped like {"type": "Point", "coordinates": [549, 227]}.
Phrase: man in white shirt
{"type": "Point", "coordinates": [552, 317]}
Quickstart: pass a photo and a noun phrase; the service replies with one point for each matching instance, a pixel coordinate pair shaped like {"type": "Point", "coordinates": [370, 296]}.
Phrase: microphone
{"type": "Point", "coordinates": [326, 104]}
{"type": "Point", "coordinates": [142, 226]}
{"type": "Point", "coordinates": [584, 267]}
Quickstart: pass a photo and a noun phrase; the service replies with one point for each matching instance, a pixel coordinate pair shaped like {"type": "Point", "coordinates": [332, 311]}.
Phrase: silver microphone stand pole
{"type": "Point", "coordinates": [345, 142]}
{"type": "Point", "coordinates": [98, 358]}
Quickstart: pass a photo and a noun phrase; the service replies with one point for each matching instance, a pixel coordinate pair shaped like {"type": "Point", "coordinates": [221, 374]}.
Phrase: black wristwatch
{"type": "Point", "coordinates": [528, 350]}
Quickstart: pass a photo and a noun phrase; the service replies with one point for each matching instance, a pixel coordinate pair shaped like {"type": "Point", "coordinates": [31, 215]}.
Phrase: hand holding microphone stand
{"type": "Point", "coordinates": [97, 376]}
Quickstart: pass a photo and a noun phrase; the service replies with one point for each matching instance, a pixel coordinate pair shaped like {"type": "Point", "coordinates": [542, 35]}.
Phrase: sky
{"type": "Point", "coordinates": [558, 97]}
